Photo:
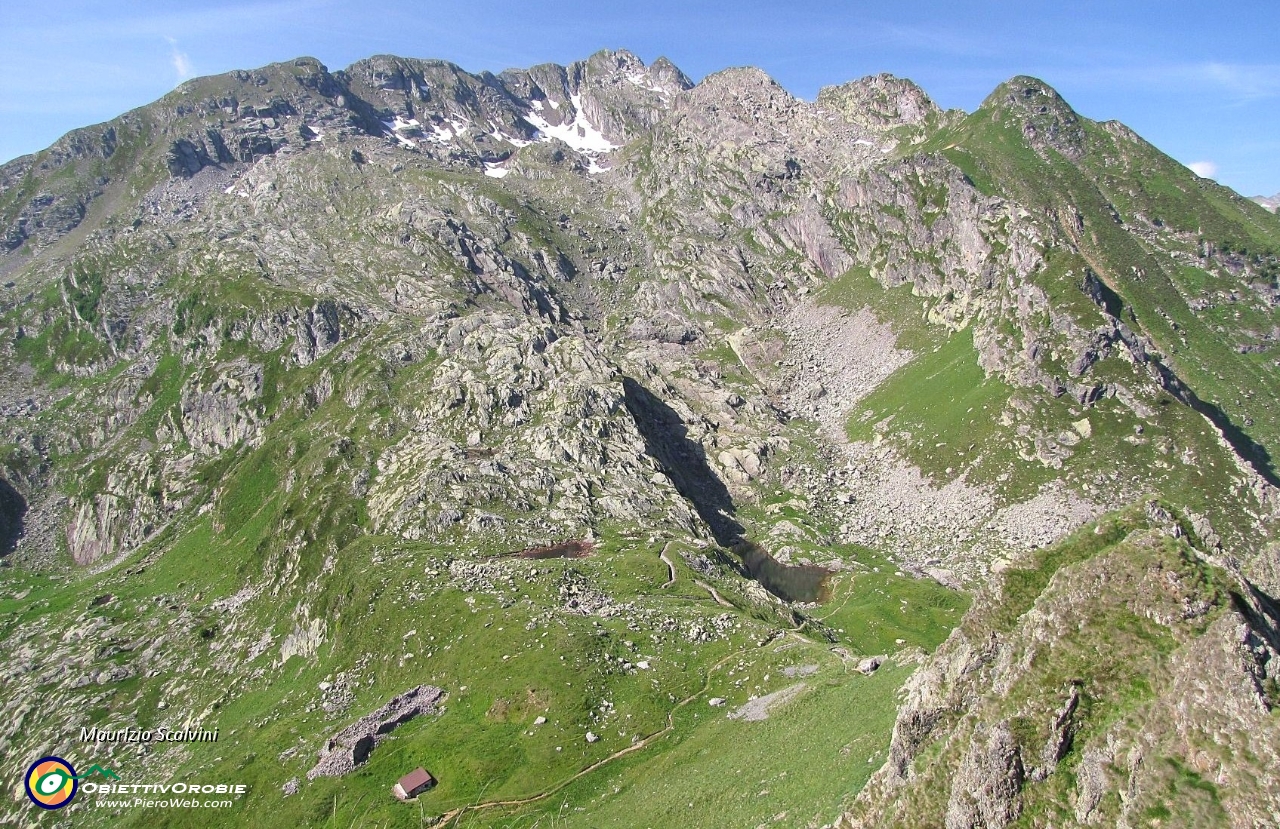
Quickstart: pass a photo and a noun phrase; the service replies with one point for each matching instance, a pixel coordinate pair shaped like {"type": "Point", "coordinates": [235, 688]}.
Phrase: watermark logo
{"type": "Point", "coordinates": [96, 769]}
{"type": "Point", "coordinates": [51, 782]}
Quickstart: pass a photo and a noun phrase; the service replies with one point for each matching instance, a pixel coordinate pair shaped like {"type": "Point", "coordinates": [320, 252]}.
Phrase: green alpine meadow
{"type": "Point", "coordinates": [579, 446]}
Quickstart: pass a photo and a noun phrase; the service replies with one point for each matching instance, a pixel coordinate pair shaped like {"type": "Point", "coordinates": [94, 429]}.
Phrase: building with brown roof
{"type": "Point", "coordinates": [413, 784]}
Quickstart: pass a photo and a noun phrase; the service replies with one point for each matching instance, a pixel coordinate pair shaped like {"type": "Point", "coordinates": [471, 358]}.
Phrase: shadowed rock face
{"type": "Point", "coordinates": [1248, 449]}
{"type": "Point", "coordinates": [13, 509]}
{"type": "Point", "coordinates": [685, 461]}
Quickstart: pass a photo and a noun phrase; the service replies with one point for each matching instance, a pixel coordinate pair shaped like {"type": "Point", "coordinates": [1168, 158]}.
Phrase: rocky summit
{"type": "Point", "coordinates": [624, 451]}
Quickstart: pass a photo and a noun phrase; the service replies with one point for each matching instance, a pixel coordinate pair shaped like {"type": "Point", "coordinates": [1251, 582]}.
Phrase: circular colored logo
{"type": "Point", "coordinates": [51, 782]}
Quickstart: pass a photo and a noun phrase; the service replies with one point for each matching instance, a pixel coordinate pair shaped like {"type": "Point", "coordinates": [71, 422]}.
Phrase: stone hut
{"type": "Point", "coordinates": [413, 784]}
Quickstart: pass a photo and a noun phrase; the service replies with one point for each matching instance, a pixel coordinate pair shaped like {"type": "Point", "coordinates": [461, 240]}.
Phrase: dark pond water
{"type": "Point", "coordinates": [789, 582]}
{"type": "Point", "coordinates": [561, 549]}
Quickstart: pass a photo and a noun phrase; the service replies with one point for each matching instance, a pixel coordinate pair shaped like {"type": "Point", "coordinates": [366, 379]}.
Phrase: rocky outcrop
{"type": "Point", "coordinates": [46, 218]}
{"type": "Point", "coordinates": [987, 791]}
{"type": "Point", "coordinates": [94, 528]}
{"type": "Point", "coordinates": [351, 746]}
{"type": "Point", "coordinates": [516, 419]}
{"type": "Point", "coordinates": [880, 102]}
{"type": "Point", "coordinates": [999, 727]}
{"type": "Point", "coordinates": [223, 411]}
{"type": "Point", "coordinates": [188, 156]}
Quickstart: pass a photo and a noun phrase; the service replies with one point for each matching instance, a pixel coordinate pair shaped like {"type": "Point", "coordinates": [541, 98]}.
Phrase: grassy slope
{"type": "Point", "coordinates": [943, 413]}
{"type": "Point", "coordinates": [1127, 178]}
{"type": "Point", "coordinates": [483, 748]}
{"type": "Point", "coordinates": [372, 591]}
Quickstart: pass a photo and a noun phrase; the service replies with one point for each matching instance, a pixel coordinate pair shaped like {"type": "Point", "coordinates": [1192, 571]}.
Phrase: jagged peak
{"type": "Point", "coordinates": [664, 68]}
{"type": "Point", "coordinates": [1044, 116]}
{"type": "Point", "coordinates": [614, 60]}
{"type": "Point", "coordinates": [385, 59]}
{"type": "Point", "coordinates": [393, 73]}
{"type": "Point", "coordinates": [621, 65]}
{"type": "Point", "coordinates": [1025, 90]}
{"type": "Point", "coordinates": [743, 82]}
{"type": "Point", "coordinates": [1121, 130]}
{"type": "Point", "coordinates": [879, 101]}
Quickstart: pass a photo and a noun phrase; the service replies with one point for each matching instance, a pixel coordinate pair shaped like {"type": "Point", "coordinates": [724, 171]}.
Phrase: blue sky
{"type": "Point", "coordinates": [1200, 80]}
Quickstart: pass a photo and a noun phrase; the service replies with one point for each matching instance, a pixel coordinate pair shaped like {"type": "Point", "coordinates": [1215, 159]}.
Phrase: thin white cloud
{"type": "Point", "coordinates": [1204, 169]}
{"type": "Point", "coordinates": [208, 20]}
{"type": "Point", "coordinates": [179, 60]}
{"type": "Point", "coordinates": [1235, 83]}
{"type": "Point", "coordinates": [1245, 82]}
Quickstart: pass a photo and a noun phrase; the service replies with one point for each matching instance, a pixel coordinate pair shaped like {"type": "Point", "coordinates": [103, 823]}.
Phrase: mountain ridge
{"type": "Point", "coordinates": [302, 369]}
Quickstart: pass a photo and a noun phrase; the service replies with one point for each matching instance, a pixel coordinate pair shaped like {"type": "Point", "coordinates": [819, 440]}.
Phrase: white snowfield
{"type": "Point", "coordinates": [579, 134]}
{"type": "Point", "coordinates": [642, 80]}
{"type": "Point", "coordinates": [402, 124]}
{"type": "Point", "coordinates": [497, 132]}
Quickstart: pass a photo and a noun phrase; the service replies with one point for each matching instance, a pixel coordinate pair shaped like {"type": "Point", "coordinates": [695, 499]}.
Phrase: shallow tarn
{"type": "Point", "coordinates": [808, 583]}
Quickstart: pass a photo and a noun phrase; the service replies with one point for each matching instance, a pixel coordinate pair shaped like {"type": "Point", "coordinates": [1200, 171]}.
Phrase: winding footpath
{"type": "Point", "coordinates": [715, 594]}
{"type": "Point", "coordinates": [454, 815]}
{"type": "Point", "coordinates": [671, 568]}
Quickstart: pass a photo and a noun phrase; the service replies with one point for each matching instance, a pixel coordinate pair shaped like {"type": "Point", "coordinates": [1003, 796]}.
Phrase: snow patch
{"type": "Point", "coordinates": [493, 170]}
{"type": "Point", "coordinates": [448, 131]}
{"type": "Point", "coordinates": [642, 80]}
{"type": "Point", "coordinates": [399, 124]}
{"type": "Point", "coordinates": [510, 139]}
{"type": "Point", "coordinates": [581, 134]}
